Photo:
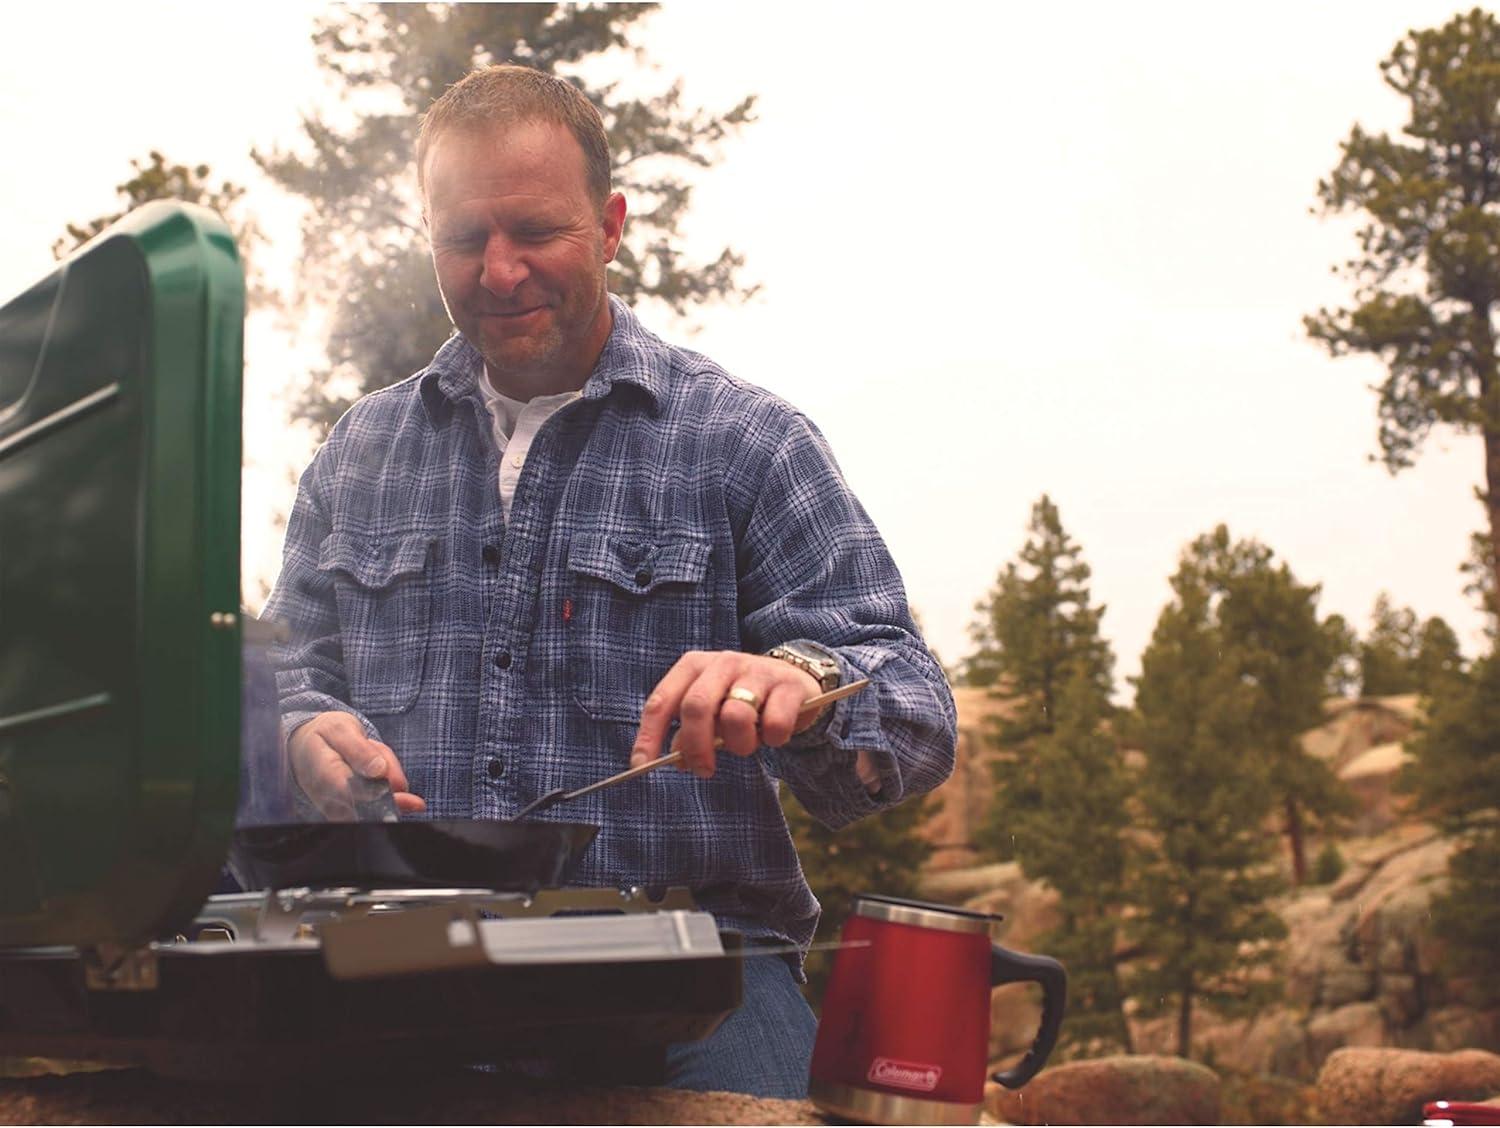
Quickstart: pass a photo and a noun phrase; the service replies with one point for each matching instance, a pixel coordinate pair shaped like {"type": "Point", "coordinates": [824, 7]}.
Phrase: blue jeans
{"type": "Point", "coordinates": [762, 1049]}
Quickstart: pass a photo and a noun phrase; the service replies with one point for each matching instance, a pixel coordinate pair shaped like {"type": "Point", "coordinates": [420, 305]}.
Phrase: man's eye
{"type": "Point", "coordinates": [536, 234]}
{"type": "Point", "coordinates": [463, 240]}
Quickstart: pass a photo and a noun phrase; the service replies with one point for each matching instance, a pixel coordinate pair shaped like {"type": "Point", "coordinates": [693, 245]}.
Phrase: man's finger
{"type": "Point", "coordinates": [778, 720]}
{"type": "Point", "coordinates": [370, 758]}
{"type": "Point", "coordinates": [385, 763]}
{"type": "Point", "coordinates": [699, 713]}
{"type": "Point", "coordinates": [740, 714]}
{"type": "Point", "coordinates": [409, 804]}
{"type": "Point", "coordinates": [661, 708]}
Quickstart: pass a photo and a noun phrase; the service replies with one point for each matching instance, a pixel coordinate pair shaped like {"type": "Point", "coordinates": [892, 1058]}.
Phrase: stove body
{"type": "Point", "coordinates": [345, 981]}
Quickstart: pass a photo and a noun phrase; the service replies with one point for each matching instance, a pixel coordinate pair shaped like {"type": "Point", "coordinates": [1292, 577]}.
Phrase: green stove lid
{"type": "Point", "coordinates": [119, 582]}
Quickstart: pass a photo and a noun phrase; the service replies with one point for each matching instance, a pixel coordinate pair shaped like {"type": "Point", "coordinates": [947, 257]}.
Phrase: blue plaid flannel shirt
{"type": "Point", "coordinates": [670, 508]}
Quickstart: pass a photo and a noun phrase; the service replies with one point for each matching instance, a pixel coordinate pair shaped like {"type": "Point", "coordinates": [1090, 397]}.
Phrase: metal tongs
{"type": "Point", "coordinates": [562, 794]}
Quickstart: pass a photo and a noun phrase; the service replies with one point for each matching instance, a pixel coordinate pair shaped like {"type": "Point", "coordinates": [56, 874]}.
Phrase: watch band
{"type": "Point", "coordinates": [821, 666]}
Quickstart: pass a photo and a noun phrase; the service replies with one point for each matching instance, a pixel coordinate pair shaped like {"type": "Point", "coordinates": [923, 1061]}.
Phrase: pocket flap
{"type": "Point", "coordinates": [638, 566]}
{"type": "Point", "coordinates": [374, 562]}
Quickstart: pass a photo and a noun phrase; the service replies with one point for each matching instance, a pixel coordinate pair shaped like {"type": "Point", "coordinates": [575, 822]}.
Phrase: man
{"type": "Point", "coordinates": [518, 569]}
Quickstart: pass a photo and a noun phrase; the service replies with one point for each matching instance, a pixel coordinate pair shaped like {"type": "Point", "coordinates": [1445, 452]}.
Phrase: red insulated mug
{"type": "Point", "coordinates": [906, 1016]}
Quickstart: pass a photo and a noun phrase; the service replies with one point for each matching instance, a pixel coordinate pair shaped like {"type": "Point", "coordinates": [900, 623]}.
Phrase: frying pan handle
{"type": "Point", "coordinates": [1014, 967]}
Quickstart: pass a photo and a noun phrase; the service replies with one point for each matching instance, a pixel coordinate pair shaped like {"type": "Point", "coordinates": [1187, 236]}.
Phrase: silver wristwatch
{"type": "Point", "coordinates": [809, 659]}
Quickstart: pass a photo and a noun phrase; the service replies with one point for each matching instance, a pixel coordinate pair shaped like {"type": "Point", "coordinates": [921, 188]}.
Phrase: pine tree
{"type": "Point", "coordinates": [1073, 839]}
{"type": "Point", "coordinates": [1281, 654]}
{"type": "Point", "coordinates": [1059, 806]}
{"type": "Point", "coordinates": [1343, 670]}
{"type": "Point", "coordinates": [1400, 655]}
{"type": "Point", "coordinates": [1455, 775]}
{"type": "Point", "coordinates": [1036, 627]}
{"type": "Point", "coordinates": [1439, 660]}
{"type": "Point", "coordinates": [1199, 888]}
{"type": "Point", "coordinates": [364, 250]}
{"type": "Point", "coordinates": [1387, 656]}
{"type": "Point", "coordinates": [1036, 631]}
{"type": "Point", "coordinates": [1427, 279]}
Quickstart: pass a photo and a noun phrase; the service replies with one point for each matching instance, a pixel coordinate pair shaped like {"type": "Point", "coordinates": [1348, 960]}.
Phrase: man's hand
{"type": "Point", "coordinates": [327, 751]}
{"type": "Point", "coordinates": [697, 690]}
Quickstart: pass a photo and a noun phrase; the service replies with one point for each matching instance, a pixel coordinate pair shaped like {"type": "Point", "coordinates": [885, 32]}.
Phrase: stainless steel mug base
{"type": "Point", "coordinates": [887, 1108]}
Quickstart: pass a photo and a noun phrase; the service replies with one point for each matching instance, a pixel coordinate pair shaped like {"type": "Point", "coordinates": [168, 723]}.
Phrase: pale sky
{"type": "Point", "coordinates": [1002, 251]}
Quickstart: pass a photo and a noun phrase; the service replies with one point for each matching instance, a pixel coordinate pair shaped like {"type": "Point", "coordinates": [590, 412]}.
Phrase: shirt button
{"type": "Point", "coordinates": [491, 554]}
{"type": "Point", "coordinates": [517, 459]}
{"type": "Point", "coordinates": [496, 768]}
{"type": "Point", "coordinates": [503, 659]}
{"type": "Point", "coordinates": [643, 577]}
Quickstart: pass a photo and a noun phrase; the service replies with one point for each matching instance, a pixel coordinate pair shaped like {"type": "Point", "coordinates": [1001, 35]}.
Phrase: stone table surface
{"type": "Point", "coordinates": [135, 1097]}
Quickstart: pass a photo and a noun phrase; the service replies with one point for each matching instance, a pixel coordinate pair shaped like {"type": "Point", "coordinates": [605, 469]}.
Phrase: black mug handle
{"type": "Point", "coordinates": [1013, 967]}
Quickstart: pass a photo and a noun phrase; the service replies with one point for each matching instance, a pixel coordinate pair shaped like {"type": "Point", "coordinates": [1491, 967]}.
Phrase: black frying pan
{"type": "Point", "coordinates": [486, 854]}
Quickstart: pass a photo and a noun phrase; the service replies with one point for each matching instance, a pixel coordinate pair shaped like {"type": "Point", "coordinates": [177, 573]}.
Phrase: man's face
{"type": "Point", "coordinates": [520, 248]}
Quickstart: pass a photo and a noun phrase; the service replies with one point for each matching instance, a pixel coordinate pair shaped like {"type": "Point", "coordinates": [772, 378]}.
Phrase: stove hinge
{"type": "Point", "coordinates": [111, 967]}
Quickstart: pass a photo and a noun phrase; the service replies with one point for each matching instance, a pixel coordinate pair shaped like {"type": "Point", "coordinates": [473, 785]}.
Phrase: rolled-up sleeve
{"type": "Point", "coordinates": [813, 568]}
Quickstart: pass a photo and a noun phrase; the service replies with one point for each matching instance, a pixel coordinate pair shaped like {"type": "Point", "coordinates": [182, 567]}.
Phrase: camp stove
{"type": "Point", "coordinates": [300, 981]}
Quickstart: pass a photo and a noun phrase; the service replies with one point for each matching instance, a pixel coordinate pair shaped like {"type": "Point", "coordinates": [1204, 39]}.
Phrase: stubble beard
{"type": "Point", "coordinates": [524, 359]}
{"type": "Point", "coordinates": [548, 361]}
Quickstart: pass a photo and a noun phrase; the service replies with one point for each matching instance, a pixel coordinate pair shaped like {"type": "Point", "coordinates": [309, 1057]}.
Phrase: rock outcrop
{"type": "Point", "coordinates": [1131, 1089]}
{"type": "Point", "coordinates": [1383, 1086]}
{"type": "Point", "coordinates": [1361, 962]}
{"type": "Point", "coordinates": [1360, 966]}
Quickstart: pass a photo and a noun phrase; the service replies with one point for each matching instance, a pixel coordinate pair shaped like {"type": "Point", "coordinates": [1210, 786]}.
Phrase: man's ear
{"type": "Point", "coordinates": [614, 224]}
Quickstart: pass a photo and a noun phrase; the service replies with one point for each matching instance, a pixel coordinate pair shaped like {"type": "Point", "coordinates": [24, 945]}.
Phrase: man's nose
{"type": "Point", "coordinates": [505, 266]}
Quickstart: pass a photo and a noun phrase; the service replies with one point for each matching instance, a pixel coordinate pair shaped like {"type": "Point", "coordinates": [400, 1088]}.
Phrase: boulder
{"type": "Point", "coordinates": [1344, 985]}
{"type": "Point", "coordinates": [1370, 778]}
{"type": "Point", "coordinates": [1461, 1027]}
{"type": "Point", "coordinates": [1274, 1041]}
{"type": "Point", "coordinates": [1401, 1000]}
{"type": "Point", "coordinates": [1358, 1024]}
{"type": "Point", "coordinates": [1112, 1090]}
{"type": "Point", "coordinates": [1392, 913]}
{"type": "Point", "coordinates": [1385, 1086]}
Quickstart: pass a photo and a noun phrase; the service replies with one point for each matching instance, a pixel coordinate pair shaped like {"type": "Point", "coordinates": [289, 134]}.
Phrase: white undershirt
{"type": "Point", "coordinates": [514, 423]}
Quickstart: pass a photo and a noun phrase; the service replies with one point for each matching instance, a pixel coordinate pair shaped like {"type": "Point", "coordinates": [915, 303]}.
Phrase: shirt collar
{"type": "Point", "coordinates": [632, 355]}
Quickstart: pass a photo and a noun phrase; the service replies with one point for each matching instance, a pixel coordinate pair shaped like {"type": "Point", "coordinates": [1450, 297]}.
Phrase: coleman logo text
{"type": "Point", "coordinates": [905, 1074]}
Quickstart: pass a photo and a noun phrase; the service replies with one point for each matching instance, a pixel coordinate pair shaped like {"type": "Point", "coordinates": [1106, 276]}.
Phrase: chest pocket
{"type": "Point", "coordinates": [384, 597]}
{"type": "Point", "coordinates": [636, 607]}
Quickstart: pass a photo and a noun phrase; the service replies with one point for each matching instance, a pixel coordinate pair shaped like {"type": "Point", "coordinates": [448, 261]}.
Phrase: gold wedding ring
{"type": "Point", "coordinates": [748, 696]}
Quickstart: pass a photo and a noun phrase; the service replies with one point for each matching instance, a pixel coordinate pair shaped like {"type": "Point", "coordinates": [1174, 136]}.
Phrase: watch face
{"type": "Point", "coordinates": [817, 664]}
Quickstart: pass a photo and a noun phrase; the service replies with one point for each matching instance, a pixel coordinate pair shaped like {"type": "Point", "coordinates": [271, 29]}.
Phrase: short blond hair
{"type": "Point", "coordinates": [507, 94]}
